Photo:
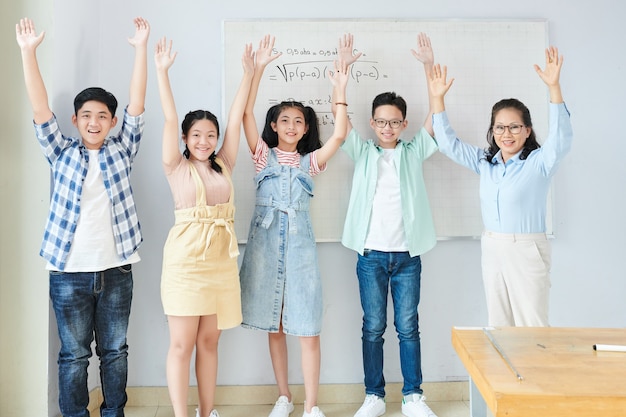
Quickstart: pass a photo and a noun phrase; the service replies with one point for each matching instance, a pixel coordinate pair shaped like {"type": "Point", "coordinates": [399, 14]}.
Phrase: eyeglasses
{"type": "Point", "coordinates": [513, 129]}
{"type": "Point", "coordinates": [394, 124]}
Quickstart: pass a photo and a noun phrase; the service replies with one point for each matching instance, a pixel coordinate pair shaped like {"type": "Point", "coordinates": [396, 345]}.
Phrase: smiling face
{"type": "Point", "coordinates": [510, 143]}
{"type": "Point", "coordinates": [94, 121]}
{"type": "Point", "coordinates": [388, 136]}
{"type": "Point", "coordinates": [201, 139]}
{"type": "Point", "coordinates": [290, 126]}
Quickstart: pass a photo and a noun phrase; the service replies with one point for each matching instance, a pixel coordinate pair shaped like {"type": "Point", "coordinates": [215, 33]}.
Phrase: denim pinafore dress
{"type": "Point", "coordinates": [279, 272]}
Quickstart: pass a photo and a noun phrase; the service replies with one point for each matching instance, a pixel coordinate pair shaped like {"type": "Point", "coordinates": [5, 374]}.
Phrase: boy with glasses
{"type": "Point", "coordinates": [389, 224]}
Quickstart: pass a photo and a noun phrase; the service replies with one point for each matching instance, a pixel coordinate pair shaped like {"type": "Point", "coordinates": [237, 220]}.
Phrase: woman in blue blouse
{"type": "Point", "coordinates": [515, 174]}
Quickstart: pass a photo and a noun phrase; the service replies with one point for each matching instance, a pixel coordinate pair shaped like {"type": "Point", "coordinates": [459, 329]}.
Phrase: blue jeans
{"type": "Point", "coordinates": [378, 271]}
{"type": "Point", "coordinates": [87, 304]}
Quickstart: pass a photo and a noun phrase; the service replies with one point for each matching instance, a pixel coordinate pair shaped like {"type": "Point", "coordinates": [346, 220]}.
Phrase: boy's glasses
{"type": "Point", "coordinates": [514, 129]}
{"type": "Point", "coordinates": [394, 124]}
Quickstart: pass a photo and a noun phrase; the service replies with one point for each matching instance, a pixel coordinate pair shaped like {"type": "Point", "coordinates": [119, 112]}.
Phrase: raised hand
{"type": "Point", "coordinates": [26, 36]}
{"type": "Point", "coordinates": [424, 52]}
{"type": "Point", "coordinates": [339, 77]}
{"type": "Point", "coordinates": [142, 31]}
{"type": "Point", "coordinates": [163, 56]}
{"type": "Point", "coordinates": [437, 84]}
{"type": "Point", "coordinates": [265, 52]}
{"type": "Point", "coordinates": [346, 49]}
{"type": "Point", "coordinates": [247, 59]}
{"type": "Point", "coordinates": [550, 75]}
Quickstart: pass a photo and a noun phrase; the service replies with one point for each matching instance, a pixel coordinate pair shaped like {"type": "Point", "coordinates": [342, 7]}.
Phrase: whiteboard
{"type": "Point", "coordinates": [489, 60]}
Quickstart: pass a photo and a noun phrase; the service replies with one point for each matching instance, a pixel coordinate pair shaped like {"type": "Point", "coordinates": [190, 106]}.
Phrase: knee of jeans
{"type": "Point", "coordinates": [112, 350]}
{"type": "Point", "coordinates": [407, 329]}
{"type": "Point", "coordinates": [374, 331]}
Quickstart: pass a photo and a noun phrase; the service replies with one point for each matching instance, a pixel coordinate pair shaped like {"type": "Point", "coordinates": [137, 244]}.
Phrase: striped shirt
{"type": "Point", "coordinates": [69, 160]}
{"type": "Point", "coordinates": [291, 159]}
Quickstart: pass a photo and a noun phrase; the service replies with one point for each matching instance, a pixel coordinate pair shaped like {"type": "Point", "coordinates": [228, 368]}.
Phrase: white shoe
{"type": "Point", "coordinates": [315, 412]}
{"type": "Point", "coordinates": [282, 408]}
{"type": "Point", "coordinates": [416, 406]}
{"type": "Point", "coordinates": [214, 413]}
{"type": "Point", "coordinates": [373, 406]}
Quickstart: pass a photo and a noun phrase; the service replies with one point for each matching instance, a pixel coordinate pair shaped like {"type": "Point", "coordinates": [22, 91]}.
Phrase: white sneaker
{"type": "Point", "coordinates": [282, 408]}
{"type": "Point", "coordinates": [373, 406]}
{"type": "Point", "coordinates": [315, 412]}
{"type": "Point", "coordinates": [416, 406]}
{"type": "Point", "coordinates": [214, 413]}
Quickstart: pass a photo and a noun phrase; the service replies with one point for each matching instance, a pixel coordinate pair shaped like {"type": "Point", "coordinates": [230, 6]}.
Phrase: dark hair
{"type": "Point", "coordinates": [95, 94]}
{"type": "Point", "coordinates": [531, 142]}
{"type": "Point", "coordinates": [190, 119]}
{"type": "Point", "coordinates": [389, 98]}
{"type": "Point", "coordinates": [311, 139]}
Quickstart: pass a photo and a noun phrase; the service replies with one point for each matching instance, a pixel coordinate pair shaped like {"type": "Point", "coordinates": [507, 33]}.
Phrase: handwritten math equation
{"type": "Point", "coordinates": [316, 68]}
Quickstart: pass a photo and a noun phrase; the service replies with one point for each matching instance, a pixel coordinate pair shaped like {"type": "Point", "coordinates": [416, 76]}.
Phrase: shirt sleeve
{"type": "Point", "coordinates": [559, 141]}
{"type": "Point", "coordinates": [314, 168]}
{"type": "Point", "coordinates": [424, 144]}
{"type": "Point", "coordinates": [259, 157]}
{"type": "Point", "coordinates": [131, 133]}
{"type": "Point", "coordinates": [460, 152]}
{"type": "Point", "coordinates": [353, 145]}
{"type": "Point", "coordinates": [51, 140]}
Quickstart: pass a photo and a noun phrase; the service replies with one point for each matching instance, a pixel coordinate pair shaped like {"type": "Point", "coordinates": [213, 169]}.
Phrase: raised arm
{"type": "Point", "coordinates": [164, 59]}
{"type": "Point", "coordinates": [339, 80]}
{"type": "Point", "coordinates": [348, 56]}
{"type": "Point", "coordinates": [28, 41]}
{"type": "Point", "coordinates": [232, 134]}
{"type": "Point", "coordinates": [263, 56]}
{"type": "Point", "coordinates": [552, 73]}
{"type": "Point", "coordinates": [438, 87]}
{"type": "Point", "coordinates": [426, 56]}
{"type": "Point", "coordinates": [140, 67]}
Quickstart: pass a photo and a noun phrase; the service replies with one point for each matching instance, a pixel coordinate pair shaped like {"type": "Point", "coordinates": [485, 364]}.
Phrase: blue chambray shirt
{"type": "Point", "coordinates": [69, 161]}
{"type": "Point", "coordinates": [513, 195]}
{"type": "Point", "coordinates": [416, 214]}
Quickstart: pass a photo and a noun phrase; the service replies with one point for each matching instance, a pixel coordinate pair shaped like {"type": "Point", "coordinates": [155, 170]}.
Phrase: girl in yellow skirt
{"type": "Point", "coordinates": [200, 281]}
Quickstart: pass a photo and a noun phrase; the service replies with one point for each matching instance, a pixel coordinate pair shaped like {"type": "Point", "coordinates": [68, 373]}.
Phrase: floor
{"type": "Point", "coordinates": [440, 408]}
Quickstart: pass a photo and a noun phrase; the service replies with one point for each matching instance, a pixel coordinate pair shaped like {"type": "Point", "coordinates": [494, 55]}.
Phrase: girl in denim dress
{"type": "Point", "coordinates": [280, 283]}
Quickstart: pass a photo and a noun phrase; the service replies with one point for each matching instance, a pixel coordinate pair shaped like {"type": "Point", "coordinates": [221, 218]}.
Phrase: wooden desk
{"type": "Point", "coordinates": [562, 374]}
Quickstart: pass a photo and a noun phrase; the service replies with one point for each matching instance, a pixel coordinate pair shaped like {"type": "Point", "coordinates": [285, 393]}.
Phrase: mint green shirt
{"type": "Point", "coordinates": [416, 215]}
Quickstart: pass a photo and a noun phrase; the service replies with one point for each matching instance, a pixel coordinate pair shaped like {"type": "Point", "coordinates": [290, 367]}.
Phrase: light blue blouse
{"type": "Point", "coordinates": [513, 194]}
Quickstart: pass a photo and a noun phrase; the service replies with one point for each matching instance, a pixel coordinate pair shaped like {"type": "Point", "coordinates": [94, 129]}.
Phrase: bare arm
{"type": "Point", "coordinates": [28, 42]}
{"type": "Point", "coordinates": [164, 59]}
{"type": "Point", "coordinates": [233, 128]}
{"type": "Point", "coordinates": [339, 80]}
{"type": "Point", "coordinates": [552, 73]}
{"type": "Point", "coordinates": [426, 56]}
{"type": "Point", "coordinates": [140, 67]}
{"type": "Point", "coordinates": [263, 56]}
{"type": "Point", "coordinates": [347, 55]}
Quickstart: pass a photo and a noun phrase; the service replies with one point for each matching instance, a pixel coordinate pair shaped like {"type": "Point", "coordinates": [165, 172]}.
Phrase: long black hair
{"type": "Point", "coordinates": [311, 139]}
{"type": "Point", "coordinates": [531, 142]}
{"type": "Point", "coordinates": [189, 120]}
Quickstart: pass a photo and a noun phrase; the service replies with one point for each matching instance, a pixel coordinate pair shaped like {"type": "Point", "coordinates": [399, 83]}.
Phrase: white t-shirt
{"type": "Point", "coordinates": [386, 229]}
{"type": "Point", "coordinates": [93, 248]}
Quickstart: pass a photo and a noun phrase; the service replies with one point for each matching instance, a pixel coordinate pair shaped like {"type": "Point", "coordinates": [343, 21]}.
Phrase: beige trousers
{"type": "Point", "coordinates": [516, 275]}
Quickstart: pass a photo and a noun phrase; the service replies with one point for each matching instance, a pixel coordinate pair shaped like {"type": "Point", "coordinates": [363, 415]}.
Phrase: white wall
{"type": "Point", "coordinates": [23, 189]}
{"type": "Point", "coordinates": [588, 282]}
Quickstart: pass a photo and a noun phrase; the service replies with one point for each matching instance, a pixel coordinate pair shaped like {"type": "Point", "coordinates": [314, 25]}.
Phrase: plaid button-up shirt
{"type": "Point", "coordinates": [69, 161]}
